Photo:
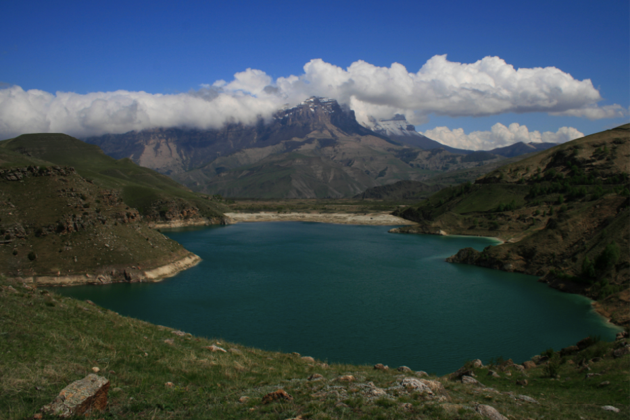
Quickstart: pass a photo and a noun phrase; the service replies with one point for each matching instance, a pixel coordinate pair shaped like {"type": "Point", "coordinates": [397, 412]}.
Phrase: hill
{"type": "Point", "coordinates": [401, 190]}
{"type": "Point", "coordinates": [564, 213]}
{"type": "Point", "coordinates": [87, 223]}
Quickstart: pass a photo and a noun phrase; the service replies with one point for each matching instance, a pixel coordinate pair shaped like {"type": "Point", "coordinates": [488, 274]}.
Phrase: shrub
{"type": "Point", "coordinates": [32, 256]}
{"type": "Point", "coordinates": [608, 257]}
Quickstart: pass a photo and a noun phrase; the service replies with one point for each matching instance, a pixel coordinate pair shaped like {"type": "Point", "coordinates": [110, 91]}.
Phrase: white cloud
{"type": "Point", "coordinates": [489, 86]}
{"type": "Point", "coordinates": [499, 136]}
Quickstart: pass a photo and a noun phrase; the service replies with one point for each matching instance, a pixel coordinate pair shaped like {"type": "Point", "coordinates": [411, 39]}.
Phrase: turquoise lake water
{"type": "Point", "coordinates": [354, 294]}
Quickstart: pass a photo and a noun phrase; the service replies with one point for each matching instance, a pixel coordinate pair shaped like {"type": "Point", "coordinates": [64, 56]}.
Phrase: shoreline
{"type": "Point", "coordinates": [134, 275]}
{"type": "Point", "coordinates": [368, 219]}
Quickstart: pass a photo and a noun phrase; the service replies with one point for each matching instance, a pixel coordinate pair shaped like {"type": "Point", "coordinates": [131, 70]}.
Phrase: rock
{"type": "Point", "coordinates": [406, 406]}
{"type": "Point", "coordinates": [587, 342]}
{"type": "Point", "coordinates": [169, 341]}
{"type": "Point", "coordinates": [610, 408]}
{"type": "Point", "coordinates": [296, 354]}
{"type": "Point", "coordinates": [416, 385]}
{"type": "Point", "coordinates": [522, 382]}
{"type": "Point", "coordinates": [621, 335]}
{"type": "Point", "coordinates": [527, 399]}
{"type": "Point", "coordinates": [621, 352]}
{"type": "Point", "coordinates": [470, 380]}
{"type": "Point", "coordinates": [96, 370]}
{"type": "Point", "coordinates": [529, 364]}
{"type": "Point", "coordinates": [380, 366]}
{"type": "Point", "coordinates": [323, 365]}
{"type": "Point", "coordinates": [280, 394]}
{"type": "Point", "coordinates": [461, 372]}
{"type": "Point", "coordinates": [315, 377]}
{"type": "Point", "coordinates": [569, 350]}
{"type": "Point", "coordinates": [169, 384]}
{"type": "Point", "coordinates": [520, 368]}
{"type": "Point", "coordinates": [80, 398]}
{"type": "Point", "coordinates": [179, 333]}
{"type": "Point", "coordinates": [477, 363]}
{"type": "Point", "coordinates": [605, 383]}
{"type": "Point", "coordinates": [215, 349]}
{"type": "Point", "coordinates": [489, 412]}
{"type": "Point", "coordinates": [38, 416]}
{"type": "Point", "coordinates": [404, 369]}
{"type": "Point", "coordinates": [243, 399]}
{"type": "Point", "coordinates": [436, 387]}
{"type": "Point", "coordinates": [376, 392]}
{"type": "Point", "coordinates": [590, 375]}
{"type": "Point", "coordinates": [308, 359]}
{"type": "Point", "coordinates": [346, 378]}
{"type": "Point", "coordinates": [493, 374]}
{"type": "Point", "coordinates": [421, 374]}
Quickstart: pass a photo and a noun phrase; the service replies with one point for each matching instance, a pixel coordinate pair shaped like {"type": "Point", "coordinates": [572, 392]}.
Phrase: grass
{"type": "Point", "coordinates": [48, 341]}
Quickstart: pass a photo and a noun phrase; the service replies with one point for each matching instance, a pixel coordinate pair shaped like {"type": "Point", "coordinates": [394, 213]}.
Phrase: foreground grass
{"type": "Point", "coordinates": [48, 341]}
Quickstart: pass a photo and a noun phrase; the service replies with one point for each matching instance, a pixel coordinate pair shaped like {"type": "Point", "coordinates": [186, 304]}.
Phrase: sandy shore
{"type": "Point", "coordinates": [150, 275]}
{"type": "Point", "coordinates": [378, 219]}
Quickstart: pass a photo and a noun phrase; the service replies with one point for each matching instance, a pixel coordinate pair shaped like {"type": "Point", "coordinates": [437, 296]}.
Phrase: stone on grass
{"type": "Point", "coordinates": [243, 399]}
{"type": "Point", "coordinates": [416, 385]}
{"type": "Point", "coordinates": [529, 364]}
{"type": "Point", "coordinates": [346, 378]}
{"type": "Point", "coordinates": [621, 352]}
{"type": "Point", "coordinates": [610, 408]}
{"type": "Point", "coordinates": [169, 384]}
{"type": "Point", "coordinates": [380, 366]}
{"type": "Point", "coordinates": [522, 382]}
{"type": "Point", "coordinates": [404, 369]}
{"type": "Point", "coordinates": [169, 341]}
{"type": "Point", "coordinates": [315, 377]}
{"type": "Point", "coordinates": [377, 392]}
{"type": "Point", "coordinates": [436, 387]}
{"type": "Point", "coordinates": [96, 370]}
{"type": "Point", "coordinates": [214, 348]}
{"type": "Point", "coordinates": [280, 394]}
{"type": "Point", "coordinates": [470, 380]}
{"type": "Point", "coordinates": [489, 412]}
{"type": "Point", "coordinates": [461, 372]}
{"type": "Point", "coordinates": [308, 359]}
{"type": "Point", "coordinates": [421, 374]}
{"type": "Point", "coordinates": [493, 374]}
{"type": "Point", "coordinates": [179, 333]}
{"type": "Point", "coordinates": [527, 399]}
{"type": "Point", "coordinates": [80, 398]}
{"type": "Point", "coordinates": [477, 363]}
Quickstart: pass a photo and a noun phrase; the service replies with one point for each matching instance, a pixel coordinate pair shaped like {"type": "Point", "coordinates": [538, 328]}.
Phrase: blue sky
{"type": "Point", "coordinates": [172, 49]}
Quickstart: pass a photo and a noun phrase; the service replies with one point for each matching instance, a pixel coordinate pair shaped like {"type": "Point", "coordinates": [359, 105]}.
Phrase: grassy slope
{"type": "Point", "coordinates": [556, 208]}
{"type": "Point", "coordinates": [142, 188]}
{"type": "Point", "coordinates": [48, 341]}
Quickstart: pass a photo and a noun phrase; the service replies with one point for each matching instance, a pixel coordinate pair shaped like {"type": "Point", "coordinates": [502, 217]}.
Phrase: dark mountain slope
{"type": "Point", "coordinates": [564, 213]}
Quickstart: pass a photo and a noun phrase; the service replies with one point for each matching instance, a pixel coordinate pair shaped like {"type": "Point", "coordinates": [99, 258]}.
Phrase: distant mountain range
{"type": "Point", "coordinates": [316, 149]}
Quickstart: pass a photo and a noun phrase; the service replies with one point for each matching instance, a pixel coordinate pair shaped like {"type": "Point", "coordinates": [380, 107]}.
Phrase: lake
{"type": "Point", "coordinates": [354, 294]}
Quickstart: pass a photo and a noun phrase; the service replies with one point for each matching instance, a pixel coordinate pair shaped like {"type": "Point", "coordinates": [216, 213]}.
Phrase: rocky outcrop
{"type": "Point", "coordinates": [80, 398]}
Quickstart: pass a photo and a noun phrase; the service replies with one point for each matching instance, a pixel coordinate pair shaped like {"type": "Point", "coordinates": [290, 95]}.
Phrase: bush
{"type": "Point", "coordinates": [32, 256]}
{"type": "Point", "coordinates": [608, 257]}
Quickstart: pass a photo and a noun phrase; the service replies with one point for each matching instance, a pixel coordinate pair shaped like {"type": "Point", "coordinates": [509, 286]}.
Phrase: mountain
{"type": "Point", "coordinates": [316, 149]}
{"type": "Point", "coordinates": [399, 130]}
{"type": "Point", "coordinates": [563, 212]}
{"type": "Point", "coordinates": [521, 148]}
{"type": "Point", "coordinates": [401, 190]}
{"type": "Point", "coordinates": [69, 214]}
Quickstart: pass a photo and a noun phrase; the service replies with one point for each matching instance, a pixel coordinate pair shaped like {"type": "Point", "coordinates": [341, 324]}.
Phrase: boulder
{"type": "Point", "coordinates": [477, 363]}
{"type": "Point", "coordinates": [280, 394]}
{"type": "Point", "coordinates": [416, 385]}
{"type": "Point", "coordinates": [404, 369]}
{"type": "Point", "coordinates": [527, 399]}
{"type": "Point", "coordinates": [380, 366]}
{"type": "Point", "coordinates": [489, 412]}
{"type": "Point", "coordinates": [470, 380]}
{"type": "Point", "coordinates": [493, 374]}
{"type": "Point", "coordinates": [80, 398]}
{"type": "Point", "coordinates": [529, 364]}
{"type": "Point", "coordinates": [308, 359]}
{"type": "Point", "coordinates": [610, 408]}
{"type": "Point", "coordinates": [346, 378]}
{"type": "Point", "coordinates": [421, 373]}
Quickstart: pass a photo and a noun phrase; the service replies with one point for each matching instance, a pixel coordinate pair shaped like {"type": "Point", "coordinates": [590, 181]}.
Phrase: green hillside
{"type": "Point", "coordinates": [563, 212]}
{"type": "Point", "coordinates": [142, 188]}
